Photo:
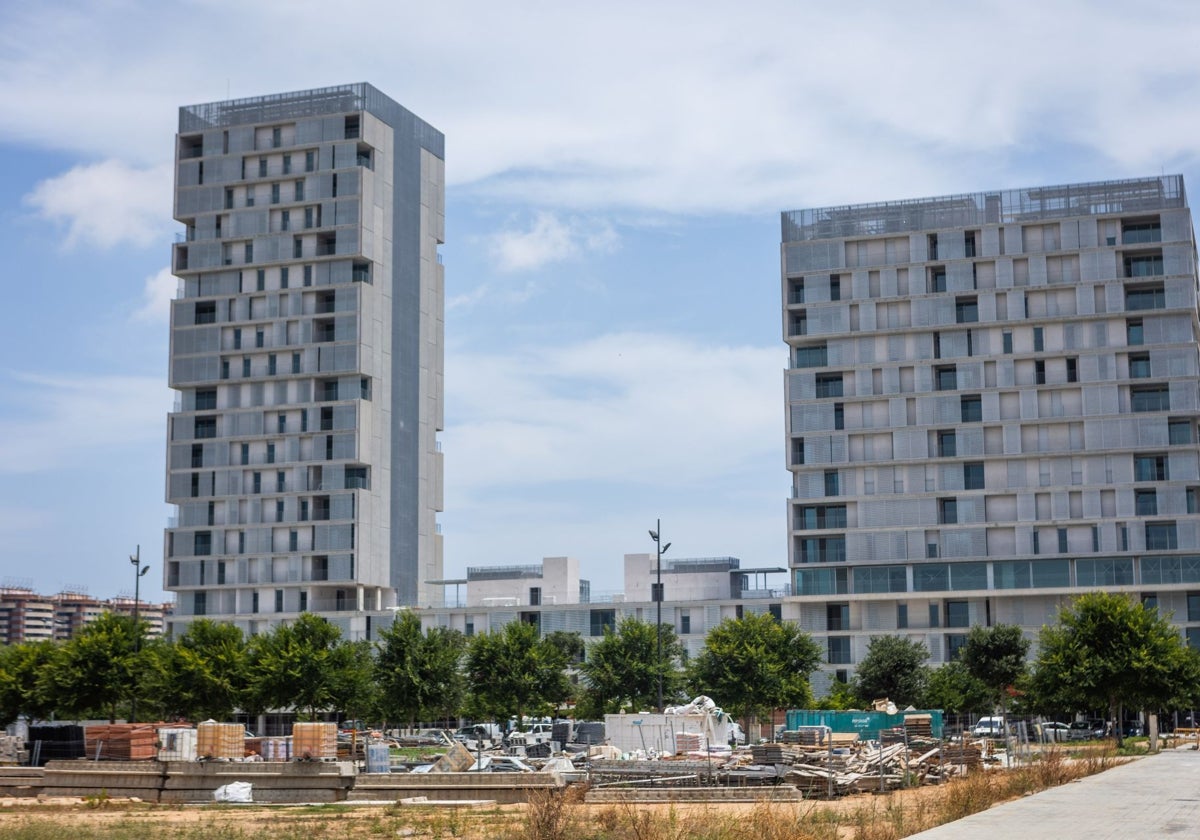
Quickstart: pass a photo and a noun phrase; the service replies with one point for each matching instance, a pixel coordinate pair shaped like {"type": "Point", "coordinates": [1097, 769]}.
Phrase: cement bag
{"type": "Point", "coordinates": [234, 792]}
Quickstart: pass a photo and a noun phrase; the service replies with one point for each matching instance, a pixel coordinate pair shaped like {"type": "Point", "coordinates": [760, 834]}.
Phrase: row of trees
{"type": "Point", "coordinates": [409, 675]}
{"type": "Point", "coordinates": [1105, 652]}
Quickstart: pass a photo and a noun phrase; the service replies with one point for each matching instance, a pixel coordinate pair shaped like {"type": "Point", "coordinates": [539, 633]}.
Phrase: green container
{"type": "Point", "coordinates": [864, 724]}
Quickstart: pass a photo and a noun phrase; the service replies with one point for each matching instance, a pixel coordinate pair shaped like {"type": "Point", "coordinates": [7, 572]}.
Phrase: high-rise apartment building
{"type": "Point", "coordinates": [992, 407]}
{"type": "Point", "coordinates": [306, 350]}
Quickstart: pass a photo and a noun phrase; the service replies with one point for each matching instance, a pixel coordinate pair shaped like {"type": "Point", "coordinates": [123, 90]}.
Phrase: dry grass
{"type": "Point", "coordinates": [564, 816]}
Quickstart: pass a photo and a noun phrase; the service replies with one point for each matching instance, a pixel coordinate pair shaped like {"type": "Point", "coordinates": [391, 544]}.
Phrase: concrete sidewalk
{"type": "Point", "coordinates": [1156, 796]}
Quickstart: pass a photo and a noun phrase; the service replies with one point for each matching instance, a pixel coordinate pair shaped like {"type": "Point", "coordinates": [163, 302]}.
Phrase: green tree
{"type": "Point", "coordinates": [894, 668]}
{"type": "Point", "coordinates": [1108, 651]}
{"type": "Point", "coordinates": [203, 675]}
{"type": "Point", "coordinates": [841, 696]}
{"type": "Point", "coordinates": [996, 657]}
{"type": "Point", "coordinates": [622, 669]}
{"type": "Point", "coordinates": [355, 691]}
{"type": "Point", "coordinates": [754, 664]}
{"type": "Point", "coordinates": [296, 666]}
{"type": "Point", "coordinates": [94, 672]}
{"type": "Point", "coordinates": [952, 689]}
{"type": "Point", "coordinates": [419, 673]}
{"type": "Point", "coordinates": [21, 688]}
{"type": "Point", "coordinates": [514, 673]}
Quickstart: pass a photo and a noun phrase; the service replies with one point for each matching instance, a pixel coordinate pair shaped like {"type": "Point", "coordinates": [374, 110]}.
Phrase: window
{"type": "Point", "coordinates": [1145, 502]}
{"type": "Point", "coordinates": [197, 455]}
{"type": "Point", "coordinates": [798, 323]}
{"type": "Point", "coordinates": [1150, 468]}
{"type": "Point", "coordinates": [880, 579]}
{"type": "Point", "coordinates": [285, 220]}
{"type": "Point", "coordinates": [275, 193]}
{"type": "Point", "coordinates": [1179, 431]}
{"type": "Point", "coordinates": [206, 312]}
{"type": "Point", "coordinates": [278, 600]}
{"type": "Point", "coordinates": [206, 400]}
{"type": "Point", "coordinates": [948, 511]}
{"type": "Point", "coordinates": [283, 277]}
{"type": "Point", "coordinates": [200, 603]}
{"type": "Point", "coordinates": [685, 624]}
{"type": "Point", "coordinates": [935, 616]}
{"type": "Point", "coordinates": [839, 416]}
{"type": "Point", "coordinates": [237, 338]}
{"type": "Point", "coordinates": [839, 650]}
{"type": "Point", "coordinates": [1143, 265]}
{"type": "Point", "coordinates": [955, 642]}
{"type": "Point", "coordinates": [281, 423]}
{"type": "Point", "coordinates": [817, 356]}
{"type": "Point", "coordinates": [973, 475]}
{"type": "Point", "coordinates": [1150, 397]}
{"type": "Point", "coordinates": [205, 427]}
{"type": "Point", "coordinates": [796, 290]}
{"type": "Point", "coordinates": [1136, 233]}
{"type": "Point", "coordinates": [271, 364]}
{"type": "Point", "coordinates": [971, 408]}
{"type": "Point", "coordinates": [1161, 536]}
{"type": "Point", "coordinates": [945, 378]}
{"type": "Point", "coordinates": [820, 516]}
{"type": "Point", "coordinates": [202, 544]}
{"type": "Point", "coordinates": [297, 253]}
{"type": "Point", "coordinates": [1039, 372]}
{"type": "Point", "coordinates": [829, 385]}
{"type": "Point", "coordinates": [310, 161]}
{"type": "Point", "coordinates": [837, 617]}
{"type": "Point", "coordinates": [901, 616]}
{"type": "Point", "coordinates": [831, 483]}
{"type": "Point", "coordinates": [797, 452]}
{"type": "Point", "coordinates": [931, 241]}
{"type": "Point", "coordinates": [308, 275]}
{"type": "Point", "coordinates": [1145, 297]}
{"type": "Point", "coordinates": [1139, 365]}
{"type": "Point", "coordinates": [287, 164]}
{"type": "Point", "coordinates": [281, 482]}
{"type": "Point", "coordinates": [602, 620]}
{"type": "Point", "coordinates": [357, 478]}
{"type": "Point", "coordinates": [835, 287]}
{"type": "Point", "coordinates": [966, 310]}
{"type": "Point", "coordinates": [245, 447]}
{"type": "Point", "coordinates": [270, 453]}
{"type": "Point", "coordinates": [969, 243]}
{"type": "Point", "coordinates": [1072, 369]}
{"type": "Point", "coordinates": [1134, 334]}
{"type": "Point", "coordinates": [947, 444]}
{"type": "Point", "coordinates": [253, 602]}
{"type": "Point", "coordinates": [293, 541]}
{"type": "Point", "coordinates": [276, 137]}
{"type": "Point", "coordinates": [1193, 606]}
{"type": "Point", "coordinates": [1007, 338]}
{"type": "Point", "coordinates": [256, 482]}
{"type": "Point", "coordinates": [246, 366]}
{"type": "Point", "coordinates": [248, 252]}
{"type": "Point", "coordinates": [279, 511]}
{"type": "Point", "coordinates": [823, 550]}
{"type": "Point", "coordinates": [262, 167]}
{"type": "Point", "coordinates": [309, 218]}
{"type": "Point", "coordinates": [298, 192]}
{"type": "Point", "coordinates": [937, 279]}
{"type": "Point", "coordinates": [958, 614]}
{"type": "Point", "coordinates": [364, 388]}
{"type": "Point", "coordinates": [1062, 540]}
{"type": "Point", "coordinates": [228, 198]}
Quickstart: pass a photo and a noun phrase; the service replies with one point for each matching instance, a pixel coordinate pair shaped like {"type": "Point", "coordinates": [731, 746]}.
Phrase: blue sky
{"type": "Point", "coordinates": [615, 176]}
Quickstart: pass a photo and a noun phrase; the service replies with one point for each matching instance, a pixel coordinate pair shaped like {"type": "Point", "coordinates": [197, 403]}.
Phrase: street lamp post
{"type": "Point", "coordinates": [659, 550]}
{"type": "Point", "coordinates": [138, 571]}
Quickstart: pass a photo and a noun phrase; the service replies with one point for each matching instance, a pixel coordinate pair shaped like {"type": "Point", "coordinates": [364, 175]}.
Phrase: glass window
{"type": "Point", "coordinates": [839, 650]}
{"type": "Point", "coordinates": [1143, 265]}
{"type": "Point", "coordinates": [797, 451]}
{"type": "Point", "coordinates": [946, 443]}
{"type": "Point", "coordinates": [601, 620]}
{"type": "Point", "coordinates": [810, 517]}
{"type": "Point", "coordinates": [880, 579]}
{"type": "Point", "coordinates": [1134, 233]}
{"type": "Point", "coordinates": [945, 378]}
{"type": "Point", "coordinates": [1062, 540]}
{"type": "Point", "coordinates": [973, 475]}
{"type": "Point", "coordinates": [820, 581]}
{"type": "Point", "coordinates": [816, 356]}
{"type": "Point", "coordinates": [1007, 338]}
{"type": "Point", "coordinates": [1039, 339]}
{"type": "Point", "coordinates": [901, 616]}
{"type": "Point", "coordinates": [1072, 369]}
{"type": "Point", "coordinates": [1161, 536]}
{"type": "Point", "coordinates": [823, 550]}
{"type": "Point", "coordinates": [1150, 468]}
{"type": "Point", "coordinates": [1145, 502]}
{"type": "Point", "coordinates": [1145, 297]}
{"type": "Point", "coordinates": [954, 645]}
{"type": "Point", "coordinates": [1150, 397]}
{"type": "Point", "coordinates": [966, 310]}
{"type": "Point", "coordinates": [831, 483]}
{"type": "Point", "coordinates": [1011, 574]}
{"type": "Point", "coordinates": [1104, 572]}
{"type": "Point", "coordinates": [1193, 606]}
{"type": "Point", "coordinates": [972, 409]}
{"type": "Point", "coordinates": [829, 385]}
{"type": "Point", "coordinates": [837, 616]}
{"type": "Point", "coordinates": [931, 577]}
{"type": "Point", "coordinates": [1134, 334]}
{"type": "Point", "coordinates": [958, 614]}
{"type": "Point", "coordinates": [937, 279]}
{"type": "Point", "coordinates": [948, 511]}
{"type": "Point", "coordinates": [839, 416]}
{"type": "Point", "coordinates": [1179, 431]}
{"type": "Point", "coordinates": [1039, 372]}
{"type": "Point", "coordinates": [966, 576]}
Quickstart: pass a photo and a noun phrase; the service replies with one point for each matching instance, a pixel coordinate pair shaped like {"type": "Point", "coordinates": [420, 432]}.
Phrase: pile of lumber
{"type": "Point", "coordinates": [121, 741]}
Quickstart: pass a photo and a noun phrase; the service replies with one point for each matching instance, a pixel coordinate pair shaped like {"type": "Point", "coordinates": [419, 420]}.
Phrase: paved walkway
{"type": "Point", "coordinates": [1156, 796]}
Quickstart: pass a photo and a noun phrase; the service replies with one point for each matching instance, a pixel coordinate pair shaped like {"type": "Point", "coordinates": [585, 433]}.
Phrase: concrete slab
{"type": "Point", "coordinates": [1153, 797]}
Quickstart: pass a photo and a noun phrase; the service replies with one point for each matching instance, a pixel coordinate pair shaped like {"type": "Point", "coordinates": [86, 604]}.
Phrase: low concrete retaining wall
{"type": "Point", "coordinates": [504, 788]}
{"type": "Point", "coordinates": [776, 793]}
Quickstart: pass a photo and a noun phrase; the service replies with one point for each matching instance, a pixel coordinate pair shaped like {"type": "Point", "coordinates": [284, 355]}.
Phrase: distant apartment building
{"type": "Point", "coordinates": [306, 352]}
{"type": "Point", "coordinates": [27, 616]}
{"type": "Point", "coordinates": [992, 407]}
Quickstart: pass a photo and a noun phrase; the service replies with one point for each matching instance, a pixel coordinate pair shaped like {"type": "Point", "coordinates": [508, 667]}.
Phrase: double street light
{"type": "Point", "coordinates": [659, 550]}
{"type": "Point", "coordinates": [138, 572]}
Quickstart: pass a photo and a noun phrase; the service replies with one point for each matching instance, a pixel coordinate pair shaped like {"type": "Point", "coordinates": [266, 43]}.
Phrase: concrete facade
{"type": "Point", "coordinates": [306, 350]}
{"type": "Point", "coordinates": [991, 408]}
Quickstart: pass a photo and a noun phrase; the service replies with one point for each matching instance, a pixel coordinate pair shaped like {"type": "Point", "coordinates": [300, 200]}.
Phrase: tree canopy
{"type": "Point", "coordinates": [621, 670]}
{"type": "Point", "coordinates": [894, 667]}
{"type": "Point", "coordinates": [1108, 651]}
{"type": "Point", "coordinates": [513, 672]}
{"type": "Point", "coordinates": [952, 689]}
{"type": "Point", "coordinates": [296, 666]}
{"type": "Point", "coordinates": [419, 672]}
{"type": "Point", "coordinates": [996, 657]}
{"type": "Point", "coordinates": [754, 664]}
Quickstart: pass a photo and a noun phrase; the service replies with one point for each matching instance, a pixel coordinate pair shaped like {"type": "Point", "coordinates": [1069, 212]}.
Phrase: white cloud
{"type": "Point", "coordinates": [550, 239]}
{"type": "Point", "coordinates": [158, 292]}
{"type": "Point", "coordinates": [107, 204]}
{"type": "Point", "coordinates": [699, 107]}
{"type": "Point", "coordinates": [627, 407]}
{"type": "Point", "coordinates": [47, 422]}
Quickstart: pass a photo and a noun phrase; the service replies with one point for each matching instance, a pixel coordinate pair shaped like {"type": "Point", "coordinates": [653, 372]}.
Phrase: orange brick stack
{"type": "Point", "coordinates": [121, 741]}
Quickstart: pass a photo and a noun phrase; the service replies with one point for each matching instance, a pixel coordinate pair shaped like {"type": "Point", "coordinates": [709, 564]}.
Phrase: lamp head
{"type": "Point", "coordinates": [665, 547]}
{"type": "Point", "coordinates": [654, 535]}
{"type": "Point", "coordinates": [133, 560]}
{"type": "Point", "coordinates": [143, 571]}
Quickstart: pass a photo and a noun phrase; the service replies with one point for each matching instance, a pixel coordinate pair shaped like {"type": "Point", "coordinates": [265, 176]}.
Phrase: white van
{"type": "Point", "coordinates": [989, 727]}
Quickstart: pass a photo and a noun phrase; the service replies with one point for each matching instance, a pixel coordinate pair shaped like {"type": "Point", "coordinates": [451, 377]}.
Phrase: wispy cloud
{"type": "Point", "coordinates": [550, 239]}
{"type": "Point", "coordinates": [107, 204]}
{"type": "Point", "coordinates": [47, 421]}
{"type": "Point", "coordinates": [157, 293]}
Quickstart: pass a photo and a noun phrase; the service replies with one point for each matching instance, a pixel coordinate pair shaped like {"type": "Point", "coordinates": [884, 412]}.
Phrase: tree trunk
{"type": "Point", "coordinates": [1112, 718]}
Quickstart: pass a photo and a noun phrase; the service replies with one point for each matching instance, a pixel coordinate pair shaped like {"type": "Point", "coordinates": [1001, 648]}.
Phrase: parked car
{"type": "Point", "coordinates": [988, 727]}
{"type": "Point", "coordinates": [1132, 729]}
{"type": "Point", "coordinates": [1054, 732]}
{"type": "Point", "coordinates": [1086, 730]}
{"type": "Point", "coordinates": [425, 738]}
